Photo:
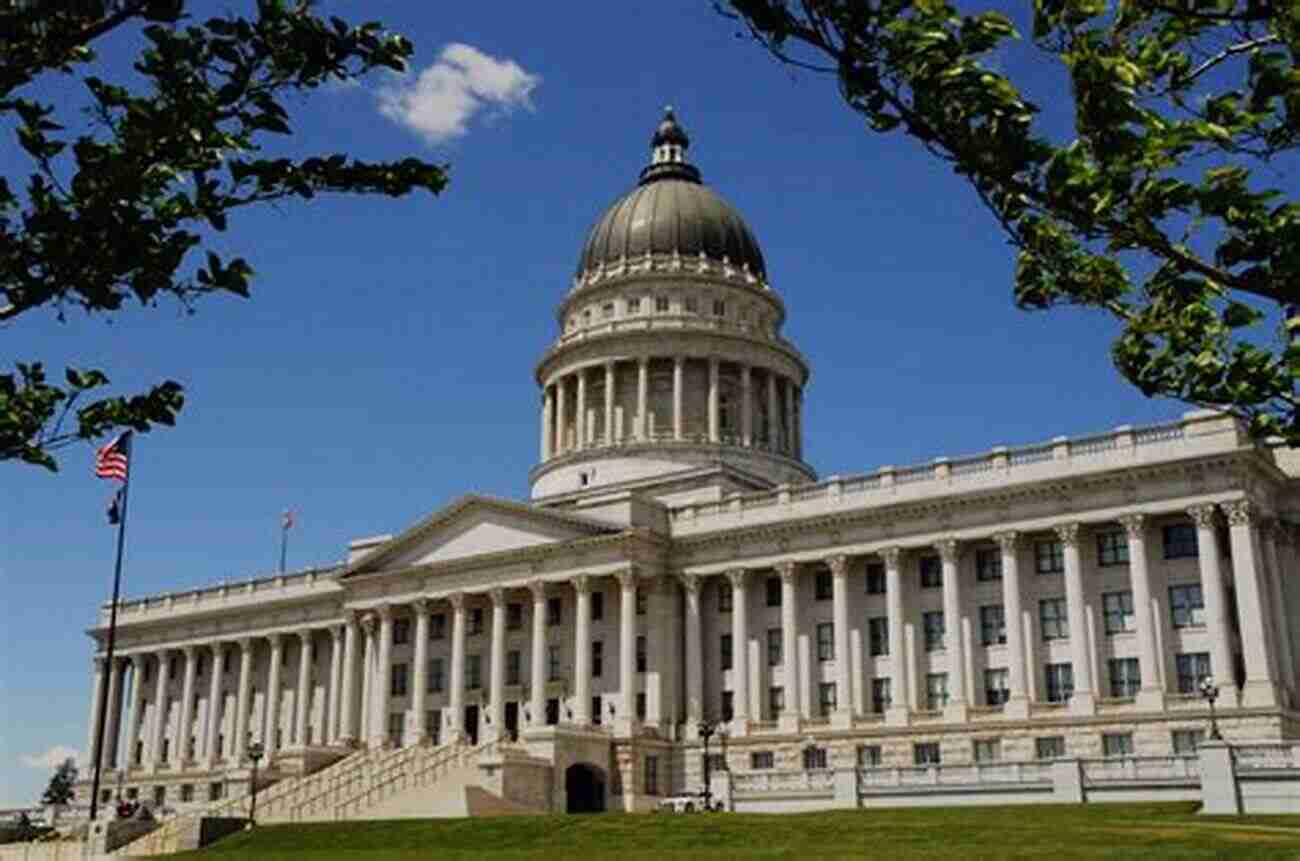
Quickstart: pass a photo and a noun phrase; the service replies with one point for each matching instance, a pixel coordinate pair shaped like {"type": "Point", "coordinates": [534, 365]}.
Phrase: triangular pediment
{"type": "Point", "coordinates": [476, 526]}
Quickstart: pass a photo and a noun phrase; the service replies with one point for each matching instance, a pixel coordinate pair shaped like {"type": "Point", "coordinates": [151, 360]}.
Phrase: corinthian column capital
{"type": "Point", "coordinates": [839, 564]}
{"type": "Point", "coordinates": [1241, 512]}
{"type": "Point", "coordinates": [1134, 524]}
{"type": "Point", "coordinates": [1008, 541]}
{"type": "Point", "coordinates": [948, 548]}
{"type": "Point", "coordinates": [1068, 533]}
{"type": "Point", "coordinates": [1205, 516]}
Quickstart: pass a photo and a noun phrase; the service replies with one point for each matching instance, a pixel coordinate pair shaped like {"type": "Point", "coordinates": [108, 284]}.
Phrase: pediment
{"type": "Point", "coordinates": [476, 526]}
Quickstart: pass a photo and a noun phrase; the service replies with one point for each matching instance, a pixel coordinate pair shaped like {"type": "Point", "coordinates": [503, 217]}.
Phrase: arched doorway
{"type": "Point", "coordinates": [584, 787]}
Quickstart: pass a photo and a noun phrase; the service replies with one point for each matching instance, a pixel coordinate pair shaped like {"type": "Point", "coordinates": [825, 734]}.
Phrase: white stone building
{"type": "Point", "coordinates": [679, 562]}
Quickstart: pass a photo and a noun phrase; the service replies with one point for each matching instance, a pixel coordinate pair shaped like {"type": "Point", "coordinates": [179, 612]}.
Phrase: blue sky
{"type": "Point", "coordinates": [384, 364]}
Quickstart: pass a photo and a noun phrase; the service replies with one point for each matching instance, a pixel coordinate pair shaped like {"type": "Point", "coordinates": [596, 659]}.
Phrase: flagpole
{"type": "Point", "coordinates": [284, 543]}
{"type": "Point", "coordinates": [112, 642]}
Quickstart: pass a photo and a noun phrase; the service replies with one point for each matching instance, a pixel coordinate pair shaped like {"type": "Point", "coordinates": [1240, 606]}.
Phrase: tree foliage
{"type": "Point", "coordinates": [1166, 204]}
{"type": "Point", "coordinates": [60, 790]}
{"type": "Point", "coordinates": [125, 209]}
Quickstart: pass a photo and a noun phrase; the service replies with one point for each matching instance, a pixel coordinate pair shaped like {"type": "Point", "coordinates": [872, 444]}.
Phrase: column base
{"type": "Point", "coordinates": [1259, 694]}
{"type": "Point", "coordinates": [1083, 703]}
{"type": "Point", "coordinates": [842, 719]}
{"type": "Point", "coordinates": [1016, 708]}
{"type": "Point", "coordinates": [789, 722]}
{"type": "Point", "coordinates": [956, 713]}
{"type": "Point", "coordinates": [1151, 699]}
{"type": "Point", "coordinates": [897, 716]}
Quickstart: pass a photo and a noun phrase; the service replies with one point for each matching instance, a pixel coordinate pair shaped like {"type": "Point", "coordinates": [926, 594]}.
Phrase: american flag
{"type": "Point", "coordinates": [286, 520]}
{"type": "Point", "coordinates": [114, 459]}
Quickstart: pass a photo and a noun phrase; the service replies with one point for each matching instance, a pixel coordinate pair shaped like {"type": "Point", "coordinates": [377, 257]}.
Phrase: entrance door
{"type": "Point", "coordinates": [584, 789]}
{"type": "Point", "coordinates": [512, 721]}
{"type": "Point", "coordinates": [471, 724]}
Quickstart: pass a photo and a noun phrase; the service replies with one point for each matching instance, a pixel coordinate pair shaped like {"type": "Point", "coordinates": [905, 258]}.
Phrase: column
{"type": "Point", "coordinates": [773, 415]}
{"type": "Point", "coordinates": [582, 651]}
{"type": "Point", "coordinates": [789, 717]}
{"type": "Point", "coordinates": [547, 407]}
{"type": "Point", "coordinates": [159, 710]}
{"type": "Point", "coordinates": [694, 656]}
{"type": "Point", "coordinates": [366, 730]}
{"type": "Point", "coordinates": [643, 398]}
{"type": "Point", "coordinates": [383, 677]}
{"type": "Point", "coordinates": [661, 683]}
{"type": "Point", "coordinates": [561, 432]}
{"type": "Point", "coordinates": [739, 652]}
{"type": "Point", "coordinates": [133, 713]}
{"type": "Point", "coordinates": [1017, 705]}
{"type": "Point", "coordinates": [302, 699]}
{"type": "Point", "coordinates": [457, 692]}
{"type": "Point", "coordinates": [714, 434]}
{"type": "Point", "coordinates": [787, 427]}
{"type": "Point", "coordinates": [113, 720]}
{"type": "Point", "coordinates": [609, 403]}
{"type": "Point", "coordinates": [954, 647]}
{"type": "Point", "coordinates": [1083, 700]}
{"type": "Point", "coordinates": [183, 756]}
{"type": "Point", "coordinates": [1257, 648]}
{"type": "Point", "coordinates": [1271, 536]}
{"type": "Point", "coordinates": [270, 732]}
{"type": "Point", "coordinates": [899, 659]}
{"type": "Point", "coordinates": [678, 373]}
{"type": "Point", "coordinates": [580, 420]}
{"type": "Point", "coordinates": [347, 692]}
{"type": "Point", "coordinates": [797, 421]}
{"type": "Point", "coordinates": [843, 716]}
{"type": "Point", "coordinates": [1151, 695]}
{"type": "Point", "coordinates": [538, 590]}
{"type": "Point", "coordinates": [627, 650]}
{"type": "Point", "coordinates": [418, 727]}
{"type": "Point", "coordinates": [96, 698]}
{"type": "Point", "coordinates": [1216, 601]}
{"type": "Point", "coordinates": [242, 700]}
{"type": "Point", "coordinates": [334, 710]}
{"type": "Point", "coordinates": [746, 405]}
{"type": "Point", "coordinates": [215, 706]}
{"type": "Point", "coordinates": [497, 704]}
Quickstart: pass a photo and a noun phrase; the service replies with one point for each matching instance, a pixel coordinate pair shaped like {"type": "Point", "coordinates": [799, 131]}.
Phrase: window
{"type": "Point", "coordinates": [931, 572]}
{"type": "Point", "coordinates": [401, 632]}
{"type": "Point", "coordinates": [773, 588]}
{"type": "Point", "coordinates": [814, 757]}
{"type": "Point", "coordinates": [728, 705]}
{"type": "Point", "coordinates": [398, 683]}
{"type": "Point", "coordinates": [826, 698]}
{"type": "Point", "coordinates": [597, 659]}
{"type": "Point", "coordinates": [553, 663]}
{"type": "Point", "coordinates": [1112, 548]}
{"type": "Point", "coordinates": [987, 749]}
{"type": "Point", "coordinates": [640, 706]}
{"type": "Point", "coordinates": [160, 795]}
{"type": "Point", "coordinates": [1180, 541]}
{"type": "Point", "coordinates": [514, 667]}
{"type": "Point", "coordinates": [438, 626]}
{"type": "Point", "coordinates": [691, 304]}
{"type": "Point", "coordinates": [825, 641]}
{"type": "Point", "coordinates": [724, 596]}
{"type": "Point", "coordinates": [926, 753]}
{"type": "Point", "coordinates": [554, 611]}
{"type": "Point", "coordinates": [596, 706]}
{"type": "Point", "coordinates": [878, 635]}
{"type": "Point", "coordinates": [869, 756]}
{"type": "Point", "coordinates": [607, 310]}
{"type": "Point", "coordinates": [434, 726]}
{"type": "Point", "coordinates": [936, 690]}
{"type": "Point", "coordinates": [661, 304]}
{"type": "Point", "coordinates": [1050, 747]}
{"type": "Point", "coordinates": [1187, 605]}
{"type": "Point", "coordinates": [634, 305]}
{"type": "Point", "coordinates": [875, 578]}
{"type": "Point", "coordinates": [1117, 608]}
{"type": "Point", "coordinates": [396, 727]}
{"type": "Point", "coordinates": [552, 711]}
{"type": "Point", "coordinates": [641, 660]}
{"type": "Point", "coordinates": [762, 759]}
{"type": "Point", "coordinates": [1125, 677]}
{"type": "Point", "coordinates": [988, 564]}
{"type": "Point", "coordinates": [993, 625]}
{"type": "Point", "coordinates": [1054, 619]}
{"type": "Point", "coordinates": [1060, 682]}
{"type": "Point", "coordinates": [514, 617]}
{"type": "Point", "coordinates": [475, 620]}
{"type": "Point", "coordinates": [473, 672]}
{"type": "Point", "coordinates": [436, 683]}
{"type": "Point", "coordinates": [719, 308]}
{"type": "Point", "coordinates": [1117, 744]}
{"type": "Point", "coordinates": [822, 587]}
{"type": "Point", "coordinates": [1186, 741]}
{"type": "Point", "coordinates": [652, 775]}
{"type": "Point", "coordinates": [997, 685]}
{"type": "Point", "coordinates": [724, 652]}
{"type": "Point", "coordinates": [214, 792]}
{"type": "Point", "coordinates": [1191, 668]}
{"type": "Point", "coordinates": [880, 695]}
{"type": "Point", "coordinates": [1049, 557]}
{"type": "Point", "coordinates": [932, 622]}
{"type": "Point", "coordinates": [774, 647]}
{"type": "Point", "coordinates": [172, 666]}
{"type": "Point", "coordinates": [227, 657]}
{"type": "Point", "coordinates": [597, 606]}
{"type": "Point", "coordinates": [775, 702]}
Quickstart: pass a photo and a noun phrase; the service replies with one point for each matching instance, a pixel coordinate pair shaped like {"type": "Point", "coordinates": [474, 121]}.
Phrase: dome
{"type": "Point", "coordinates": [671, 211]}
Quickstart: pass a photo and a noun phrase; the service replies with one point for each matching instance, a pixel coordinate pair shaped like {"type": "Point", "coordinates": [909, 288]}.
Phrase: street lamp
{"type": "Point", "coordinates": [706, 730]}
{"type": "Point", "coordinates": [1210, 691]}
{"type": "Point", "coordinates": [255, 754]}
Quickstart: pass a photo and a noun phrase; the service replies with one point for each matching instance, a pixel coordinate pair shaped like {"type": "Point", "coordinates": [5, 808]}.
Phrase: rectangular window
{"type": "Point", "coordinates": [728, 710]}
{"type": "Point", "coordinates": [473, 672]}
{"type": "Point", "coordinates": [869, 756]}
{"type": "Point", "coordinates": [993, 625]}
{"type": "Point", "coordinates": [661, 304]}
{"type": "Point", "coordinates": [401, 632]}
{"type": "Point", "coordinates": [1117, 744]}
{"type": "Point", "coordinates": [553, 663]}
{"type": "Point", "coordinates": [875, 578]}
{"type": "Point", "coordinates": [187, 792]}
{"type": "Point", "coordinates": [652, 775]}
{"type": "Point", "coordinates": [825, 641]}
{"type": "Point", "coordinates": [826, 698]}
{"type": "Point", "coordinates": [214, 792]}
{"type": "Point", "coordinates": [823, 590]}
{"type": "Point", "coordinates": [1112, 548]}
{"type": "Point", "coordinates": [1180, 541]}
{"type": "Point", "coordinates": [987, 749]}
{"type": "Point", "coordinates": [1187, 605]}
{"type": "Point", "coordinates": [932, 622]}
{"type": "Point", "coordinates": [997, 685]}
{"type": "Point", "coordinates": [931, 572]}
{"type": "Point", "coordinates": [634, 305]}
{"type": "Point", "coordinates": [1186, 741]}
{"type": "Point", "coordinates": [597, 659]}
{"type": "Point", "coordinates": [761, 760]}
{"type": "Point", "coordinates": [719, 308]}
{"type": "Point", "coordinates": [772, 586]}
{"type": "Point", "coordinates": [597, 606]}
{"type": "Point", "coordinates": [724, 652]}
{"type": "Point", "coordinates": [814, 757]}
{"type": "Point", "coordinates": [691, 304]}
{"type": "Point", "coordinates": [596, 706]}
{"type": "Point", "coordinates": [1050, 747]}
{"type": "Point", "coordinates": [775, 644]}
{"type": "Point", "coordinates": [926, 753]}
{"type": "Point", "coordinates": [1117, 609]}
{"type": "Point", "coordinates": [1060, 682]}
{"type": "Point", "coordinates": [514, 667]}
{"type": "Point", "coordinates": [432, 721]}
{"type": "Point", "coordinates": [398, 682]}
{"type": "Point", "coordinates": [936, 691]}
{"type": "Point", "coordinates": [554, 611]}
{"type": "Point", "coordinates": [1125, 677]}
{"type": "Point", "coordinates": [436, 682]}
{"type": "Point", "coordinates": [1191, 668]}
{"type": "Point", "coordinates": [775, 703]}
{"type": "Point", "coordinates": [438, 626]}
{"type": "Point", "coordinates": [641, 661]}
{"type": "Point", "coordinates": [878, 635]}
{"type": "Point", "coordinates": [1054, 619]}
{"type": "Point", "coordinates": [552, 711]}
{"type": "Point", "coordinates": [988, 564]}
{"type": "Point", "coordinates": [396, 727]}
{"type": "Point", "coordinates": [640, 602]}
{"type": "Point", "coordinates": [881, 697]}
{"type": "Point", "coordinates": [640, 706]}
{"type": "Point", "coordinates": [724, 596]}
{"type": "Point", "coordinates": [475, 621]}
{"type": "Point", "coordinates": [514, 617]}
{"type": "Point", "coordinates": [1049, 556]}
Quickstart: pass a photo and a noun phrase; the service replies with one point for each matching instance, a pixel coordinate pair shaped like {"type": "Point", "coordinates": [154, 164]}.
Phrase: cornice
{"type": "Point", "coordinates": [713, 452]}
{"type": "Point", "coordinates": [666, 278]}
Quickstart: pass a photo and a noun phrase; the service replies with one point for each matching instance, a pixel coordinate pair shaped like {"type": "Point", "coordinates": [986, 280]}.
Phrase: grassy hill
{"type": "Point", "coordinates": [1147, 831]}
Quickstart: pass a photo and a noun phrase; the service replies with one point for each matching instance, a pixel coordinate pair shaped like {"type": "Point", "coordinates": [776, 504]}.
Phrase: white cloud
{"type": "Point", "coordinates": [51, 758]}
{"type": "Point", "coordinates": [439, 103]}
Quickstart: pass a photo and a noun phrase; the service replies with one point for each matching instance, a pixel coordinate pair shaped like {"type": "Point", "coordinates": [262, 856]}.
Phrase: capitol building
{"type": "Point", "coordinates": [680, 566]}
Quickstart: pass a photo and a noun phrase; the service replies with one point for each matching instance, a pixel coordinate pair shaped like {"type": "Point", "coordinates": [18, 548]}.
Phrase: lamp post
{"type": "Point", "coordinates": [1210, 691]}
{"type": "Point", "coordinates": [706, 730]}
{"type": "Point", "coordinates": [255, 754]}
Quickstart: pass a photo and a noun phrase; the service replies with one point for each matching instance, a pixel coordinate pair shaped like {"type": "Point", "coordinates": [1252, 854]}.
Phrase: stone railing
{"type": "Point", "coordinates": [1266, 757]}
{"type": "Point", "coordinates": [420, 768]}
{"type": "Point", "coordinates": [1139, 768]}
{"type": "Point", "coordinates": [1197, 433]}
{"type": "Point", "coordinates": [777, 782]}
{"type": "Point", "coordinates": [257, 590]}
{"type": "Point", "coordinates": [954, 775]}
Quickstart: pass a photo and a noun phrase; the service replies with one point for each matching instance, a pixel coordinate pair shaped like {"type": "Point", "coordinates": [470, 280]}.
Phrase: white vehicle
{"type": "Point", "coordinates": [687, 803]}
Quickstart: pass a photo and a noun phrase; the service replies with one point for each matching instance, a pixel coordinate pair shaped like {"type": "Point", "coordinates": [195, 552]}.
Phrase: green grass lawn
{"type": "Point", "coordinates": [1147, 831]}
